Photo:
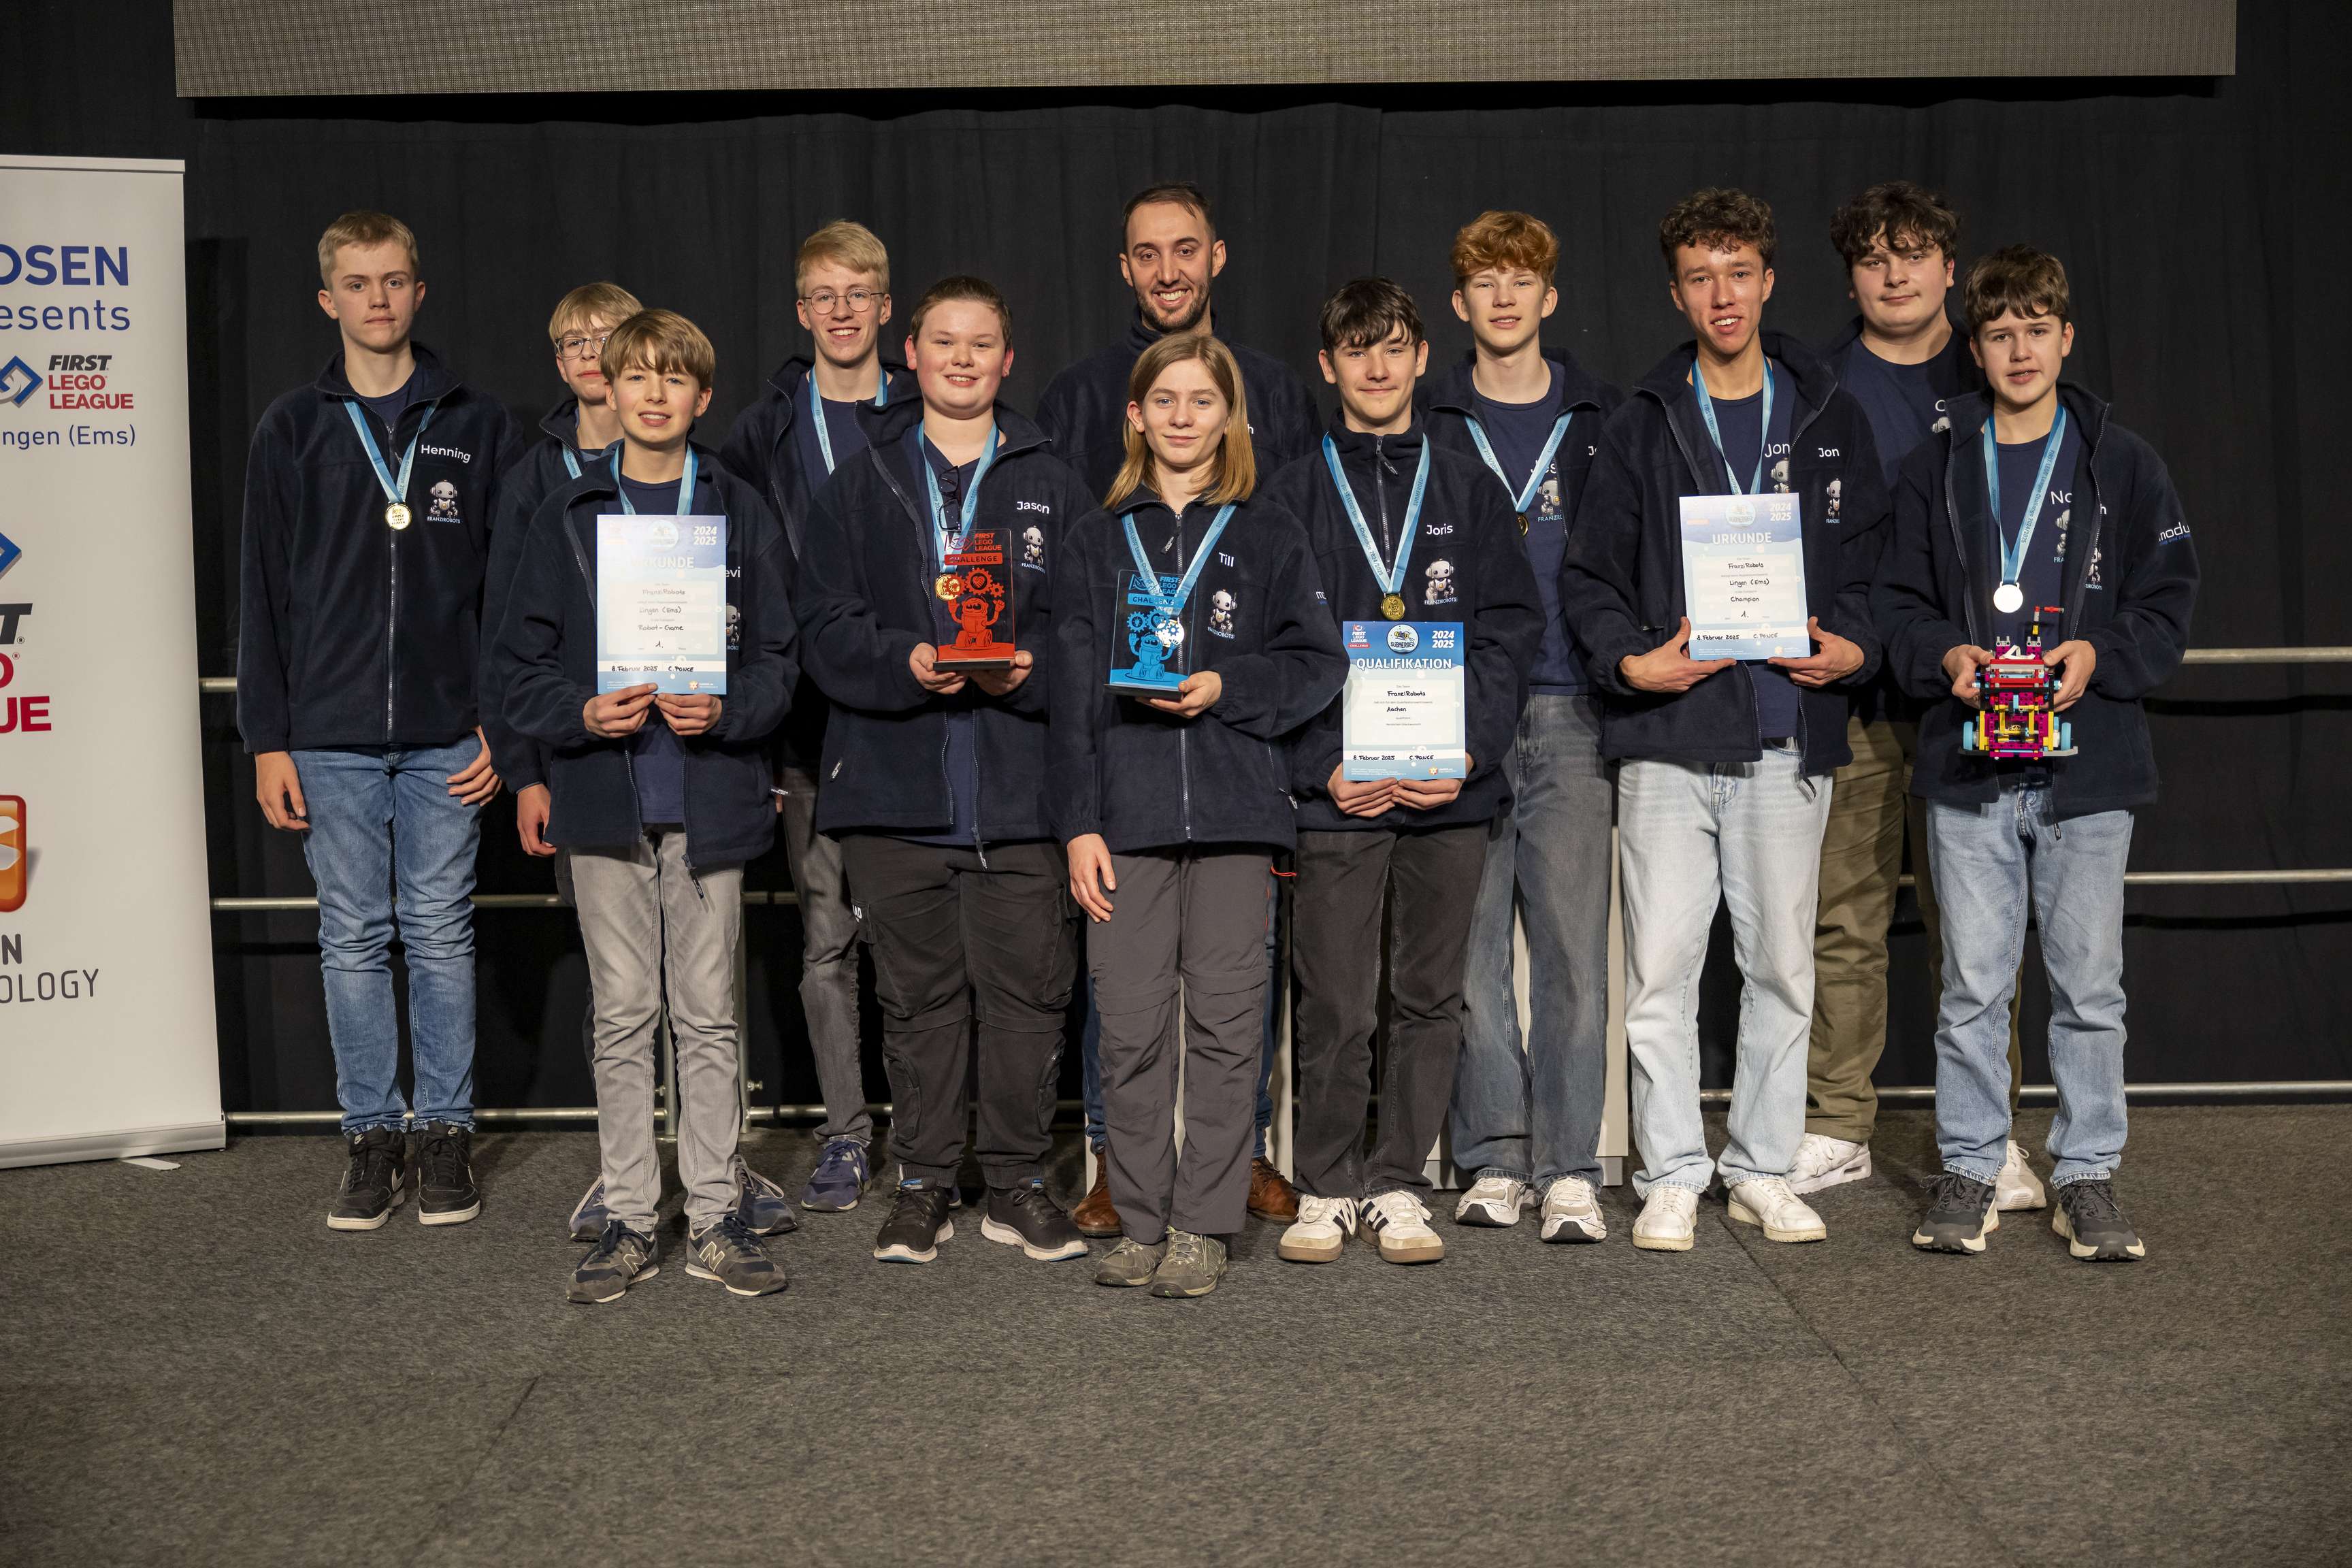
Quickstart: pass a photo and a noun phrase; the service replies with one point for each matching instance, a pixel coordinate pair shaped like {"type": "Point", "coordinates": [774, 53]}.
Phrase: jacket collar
{"type": "Point", "coordinates": [792, 378]}
{"type": "Point", "coordinates": [1356, 448]}
{"type": "Point", "coordinates": [1454, 394]}
{"type": "Point", "coordinates": [1816, 378]}
{"type": "Point", "coordinates": [1951, 372]}
{"type": "Point", "coordinates": [2086, 411]}
{"type": "Point", "coordinates": [601, 480]}
{"type": "Point", "coordinates": [562, 422]}
{"type": "Point", "coordinates": [887, 426]}
{"type": "Point", "coordinates": [431, 381]}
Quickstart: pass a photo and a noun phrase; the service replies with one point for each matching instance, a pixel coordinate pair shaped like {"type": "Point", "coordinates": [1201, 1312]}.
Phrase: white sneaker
{"type": "Point", "coordinates": [1492, 1201]}
{"type": "Point", "coordinates": [2017, 1187]}
{"type": "Point", "coordinates": [1826, 1162]}
{"type": "Point", "coordinates": [1320, 1231]}
{"type": "Point", "coordinates": [1402, 1221]}
{"type": "Point", "coordinates": [1571, 1213]}
{"type": "Point", "coordinates": [1766, 1201]}
{"type": "Point", "coordinates": [1669, 1221]}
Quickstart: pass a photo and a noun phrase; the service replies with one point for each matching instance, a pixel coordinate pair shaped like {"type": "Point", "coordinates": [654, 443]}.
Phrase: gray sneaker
{"type": "Point", "coordinates": [623, 1257]}
{"type": "Point", "coordinates": [727, 1251]}
{"type": "Point", "coordinates": [1131, 1262]}
{"type": "Point", "coordinates": [1959, 1211]}
{"type": "Point", "coordinates": [1193, 1265]}
{"type": "Point", "coordinates": [2094, 1225]}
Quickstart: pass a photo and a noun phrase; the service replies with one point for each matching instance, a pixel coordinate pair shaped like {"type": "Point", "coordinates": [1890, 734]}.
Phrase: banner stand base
{"type": "Point", "coordinates": [176, 1140]}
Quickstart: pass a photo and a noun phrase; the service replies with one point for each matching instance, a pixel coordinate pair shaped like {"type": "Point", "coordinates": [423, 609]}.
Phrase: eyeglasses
{"type": "Point", "coordinates": [859, 300]}
{"type": "Point", "coordinates": [575, 345]}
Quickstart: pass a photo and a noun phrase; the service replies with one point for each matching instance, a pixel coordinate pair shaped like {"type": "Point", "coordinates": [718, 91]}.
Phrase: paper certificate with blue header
{"type": "Point", "coordinates": [661, 603]}
{"type": "Point", "coordinates": [1403, 713]}
{"type": "Point", "coordinates": [1744, 576]}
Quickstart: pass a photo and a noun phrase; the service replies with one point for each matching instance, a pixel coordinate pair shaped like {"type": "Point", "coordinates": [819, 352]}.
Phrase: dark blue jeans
{"type": "Point", "coordinates": [381, 818]}
{"type": "Point", "coordinates": [1090, 1042]}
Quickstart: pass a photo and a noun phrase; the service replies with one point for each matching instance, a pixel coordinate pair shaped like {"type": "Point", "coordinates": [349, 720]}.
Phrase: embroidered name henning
{"type": "Point", "coordinates": [466, 458]}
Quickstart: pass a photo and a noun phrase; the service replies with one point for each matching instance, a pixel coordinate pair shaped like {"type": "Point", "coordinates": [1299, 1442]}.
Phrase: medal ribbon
{"type": "Point", "coordinates": [1389, 578]}
{"type": "Point", "coordinates": [2012, 558]}
{"type": "Point", "coordinates": [1174, 604]}
{"type": "Point", "coordinates": [970, 497]}
{"type": "Point", "coordinates": [1524, 498]}
{"type": "Point", "coordinates": [1714, 434]}
{"type": "Point", "coordinates": [684, 484]}
{"type": "Point", "coordinates": [817, 414]}
{"type": "Point", "coordinates": [395, 491]}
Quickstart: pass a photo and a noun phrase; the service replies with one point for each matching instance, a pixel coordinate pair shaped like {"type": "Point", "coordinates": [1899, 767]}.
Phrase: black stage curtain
{"type": "Point", "coordinates": [2202, 222]}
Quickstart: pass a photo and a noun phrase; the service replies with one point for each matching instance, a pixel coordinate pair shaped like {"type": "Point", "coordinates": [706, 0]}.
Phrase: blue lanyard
{"type": "Point", "coordinates": [1715, 434]}
{"type": "Point", "coordinates": [395, 491]}
{"type": "Point", "coordinates": [1524, 498]}
{"type": "Point", "coordinates": [1391, 578]}
{"type": "Point", "coordinates": [1174, 603]}
{"type": "Point", "coordinates": [971, 494]}
{"type": "Point", "coordinates": [684, 484]}
{"type": "Point", "coordinates": [571, 463]}
{"type": "Point", "coordinates": [2012, 557]}
{"type": "Point", "coordinates": [817, 414]}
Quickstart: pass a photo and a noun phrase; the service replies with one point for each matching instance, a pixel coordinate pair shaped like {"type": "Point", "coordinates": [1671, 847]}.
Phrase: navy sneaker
{"type": "Point", "coordinates": [623, 1257]}
{"type": "Point", "coordinates": [727, 1251]}
{"type": "Point", "coordinates": [589, 1215]}
{"type": "Point", "coordinates": [760, 1204]}
{"type": "Point", "coordinates": [840, 1178]}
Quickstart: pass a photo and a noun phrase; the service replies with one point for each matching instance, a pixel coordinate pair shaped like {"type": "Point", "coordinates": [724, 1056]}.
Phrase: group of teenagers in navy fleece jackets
{"type": "Point", "coordinates": [419, 631]}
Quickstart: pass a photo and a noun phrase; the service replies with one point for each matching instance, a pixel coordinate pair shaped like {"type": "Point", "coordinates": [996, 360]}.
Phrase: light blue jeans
{"type": "Point", "coordinates": [1535, 1113]}
{"type": "Point", "coordinates": [1989, 861]}
{"type": "Point", "coordinates": [1690, 835]}
{"type": "Point", "coordinates": [381, 817]}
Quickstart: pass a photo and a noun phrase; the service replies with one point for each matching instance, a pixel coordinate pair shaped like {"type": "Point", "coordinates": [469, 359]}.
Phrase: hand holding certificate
{"type": "Point", "coordinates": [661, 604]}
{"type": "Point", "coordinates": [1403, 712]}
{"type": "Point", "coordinates": [1744, 576]}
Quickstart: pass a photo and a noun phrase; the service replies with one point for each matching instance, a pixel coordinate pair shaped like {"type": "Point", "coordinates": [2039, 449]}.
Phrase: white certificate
{"type": "Point", "coordinates": [1403, 711]}
{"type": "Point", "coordinates": [1744, 576]}
{"type": "Point", "coordinates": [661, 603]}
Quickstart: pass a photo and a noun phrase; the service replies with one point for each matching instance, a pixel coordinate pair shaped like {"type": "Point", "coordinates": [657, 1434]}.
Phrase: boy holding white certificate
{"type": "Point", "coordinates": [1413, 544]}
{"type": "Point", "coordinates": [648, 645]}
{"type": "Point", "coordinates": [1738, 484]}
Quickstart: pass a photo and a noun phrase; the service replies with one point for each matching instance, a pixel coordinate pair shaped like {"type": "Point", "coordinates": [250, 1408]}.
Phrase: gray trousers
{"type": "Point", "coordinates": [828, 961]}
{"type": "Point", "coordinates": [650, 925]}
{"type": "Point", "coordinates": [1199, 917]}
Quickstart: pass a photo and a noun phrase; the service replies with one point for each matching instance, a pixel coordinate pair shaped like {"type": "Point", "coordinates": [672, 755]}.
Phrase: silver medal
{"type": "Point", "coordinates": [2009, 598]}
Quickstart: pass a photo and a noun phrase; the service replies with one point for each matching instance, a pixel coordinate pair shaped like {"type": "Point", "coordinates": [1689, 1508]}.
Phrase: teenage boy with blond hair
{"type": "Point", "coordinates": [805, 425]}
{"type": "Point", "coordinates": [660, 798]}
{"type": "Point", "coordinates": [2033, 498]}
{"type": "Point", "coordinates": [1526, 1121]}
{"type": "Point", "coordinates": [935, 774]}
{"type": "Point", "coordinates": [1724, 781]}
{"type": "Point", "coordinates": [368, 501]}
{"type": "Point", "coordinates": [1400, 530]}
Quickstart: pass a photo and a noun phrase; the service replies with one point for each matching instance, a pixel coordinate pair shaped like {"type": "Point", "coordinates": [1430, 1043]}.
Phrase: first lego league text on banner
{"type": "Point", "coordinates": [107, 1037]}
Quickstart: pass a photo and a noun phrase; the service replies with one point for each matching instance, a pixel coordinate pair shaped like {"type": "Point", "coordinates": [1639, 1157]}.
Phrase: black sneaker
{"type": "Point", "coordinates": [622, 1259]}
{"type": "Point", "coordinates": [1960, 1212]}
{"type": "Point", "coordinates": [762, 1206]}
{"type": "Point", "coordinates": [726, 1250]}
{"type": "Point", "coordinates": [446, 1194]}
{"type": "Point", "coordinates": [917, 1224]}
{"type": "Point", "coordinates": [373, 1180]}
{"type": "Point", "coordinates": [1024, 1216]}
{"type": "Point", "coordinates": [2093, 1224]}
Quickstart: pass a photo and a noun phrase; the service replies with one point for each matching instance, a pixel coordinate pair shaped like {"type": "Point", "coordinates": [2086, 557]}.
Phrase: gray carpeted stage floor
{"type": "Point", "coordinates": [195, 1369]}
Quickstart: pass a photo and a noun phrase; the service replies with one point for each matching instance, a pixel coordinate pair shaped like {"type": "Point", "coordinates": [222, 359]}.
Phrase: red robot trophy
{"type": "Point", "coordinates": [979, 602]}
{"type": "Point", "coordinates": [2016, 692]}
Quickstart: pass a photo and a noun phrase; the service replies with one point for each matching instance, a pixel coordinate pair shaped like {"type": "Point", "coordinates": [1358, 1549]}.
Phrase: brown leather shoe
{"type": "Point", "coordinates": [1095, 1216]}
{"type": "Point", "coordinates": [1270, 1197]}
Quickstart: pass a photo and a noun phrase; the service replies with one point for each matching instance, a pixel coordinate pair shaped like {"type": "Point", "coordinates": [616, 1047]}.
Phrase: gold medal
{"type": "Point", "coordinates": [1392, 607]}
{"type": "Point", "coordinates": [397, 514]}
{"type": "Point", "coordinates": [946, 584]}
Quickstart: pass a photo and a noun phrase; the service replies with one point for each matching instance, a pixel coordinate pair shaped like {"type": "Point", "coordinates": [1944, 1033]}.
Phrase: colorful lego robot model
{"type": "Point", "coordinates": [2015, 693]}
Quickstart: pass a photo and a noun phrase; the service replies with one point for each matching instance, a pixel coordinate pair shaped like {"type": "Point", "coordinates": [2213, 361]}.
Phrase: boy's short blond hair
{"type": "Point", "coordinates": [364, 228]}
{"type": "Point", "coordinates": [846, 244]}
{"type": "Point", "coordinates": [660, 341]}
{"type": "Point", "coordinates": [607, 303]}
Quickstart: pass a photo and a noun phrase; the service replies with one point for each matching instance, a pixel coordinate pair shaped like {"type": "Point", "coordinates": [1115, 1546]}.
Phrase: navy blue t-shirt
{"type": "Point", "coordinates": [1900, 401]}
{"type": "Point", "coordinates": [962, 756]}
{"type": "Point", "coordinates": [656, 759]}
{"type": "Point", "coordinates": [2042, 576]}
{"type": "Point", "coordinates": [1741, 419]}
{"type": "Point", "coordinates": [389, 408]}
{"type": "Point", "coordinates": [1518, 432]}
{"type": "Point", "coordinates": [840, 423]}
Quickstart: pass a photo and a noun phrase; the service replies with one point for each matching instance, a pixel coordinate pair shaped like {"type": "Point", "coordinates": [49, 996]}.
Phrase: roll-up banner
{"type": "Point", "coordinates": [107, 1036]}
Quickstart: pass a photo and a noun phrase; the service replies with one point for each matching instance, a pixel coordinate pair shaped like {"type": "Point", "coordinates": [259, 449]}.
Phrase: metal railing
{"type": "Point", "coordinates": [2032, 1094]}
